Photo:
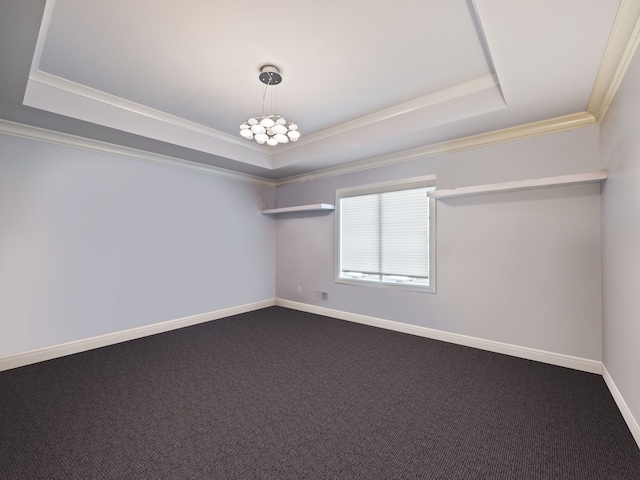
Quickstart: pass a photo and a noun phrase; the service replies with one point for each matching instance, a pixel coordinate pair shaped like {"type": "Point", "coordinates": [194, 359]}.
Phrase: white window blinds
{"type": "Point", "coordinates": [384, 237]}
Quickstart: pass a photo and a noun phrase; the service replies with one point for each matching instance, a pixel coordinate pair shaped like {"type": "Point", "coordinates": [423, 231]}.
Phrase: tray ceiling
{"type": "Point", "coordinates": [361, 79]}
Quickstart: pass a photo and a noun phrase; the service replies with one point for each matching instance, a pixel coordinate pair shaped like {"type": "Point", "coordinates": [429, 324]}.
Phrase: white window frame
{"type": "Point", "coordinates": [407, 184]}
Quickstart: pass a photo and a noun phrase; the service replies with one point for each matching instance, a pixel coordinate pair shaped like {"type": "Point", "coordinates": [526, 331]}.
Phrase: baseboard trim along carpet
{"type": "Point", "coordinates": [622, 406]}
{"type": "Point", "coordinates": [561, 360]}
{"type": "Point", "coordinates": [576, 363]}
{"type": "Point", "coordinates": [592, 366]}
{"type": "Point", "coordinates": [77, 346]}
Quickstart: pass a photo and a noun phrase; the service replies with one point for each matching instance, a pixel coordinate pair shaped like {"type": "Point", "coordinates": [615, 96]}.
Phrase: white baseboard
{"type": "Point", "coordinates": [55, 351]}
{"type": "Point", "coordinates": [47, 353]}
{"type": "Point", "coordinates": [576, 363]}
{"type": "Point", "coordinates": [61, 350]}
{"type": "Point", "coordinates": [622, 405]}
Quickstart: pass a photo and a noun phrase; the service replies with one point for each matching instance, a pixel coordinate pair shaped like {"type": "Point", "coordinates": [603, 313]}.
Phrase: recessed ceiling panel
{"type": "Point", "coordinates": [199, 59]}
{"type": "Point", "coordinates": [547, 53]}
{"type": "Point", "coordinates": [361, 79]}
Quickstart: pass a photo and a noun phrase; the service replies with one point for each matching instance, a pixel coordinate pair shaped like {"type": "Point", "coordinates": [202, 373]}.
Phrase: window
{"type": "Point", "coordinates": [385, 235]}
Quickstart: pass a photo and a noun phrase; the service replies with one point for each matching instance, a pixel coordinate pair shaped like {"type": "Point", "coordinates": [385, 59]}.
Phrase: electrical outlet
{"type": "Point", "coordinates": [322, 296]}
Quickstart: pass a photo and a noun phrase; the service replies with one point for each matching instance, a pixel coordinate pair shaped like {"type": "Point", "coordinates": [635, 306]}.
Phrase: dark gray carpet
{"type": "Point", "coordinates": [279, 394]}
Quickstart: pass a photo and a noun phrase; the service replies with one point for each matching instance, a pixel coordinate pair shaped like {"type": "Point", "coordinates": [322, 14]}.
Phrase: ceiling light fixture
{"type": "Point", "coordinates": [269, 129]}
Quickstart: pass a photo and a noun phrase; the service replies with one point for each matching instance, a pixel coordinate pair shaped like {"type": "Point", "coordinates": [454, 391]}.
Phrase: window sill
{"type": "Point", "coordinates": [408, 287]}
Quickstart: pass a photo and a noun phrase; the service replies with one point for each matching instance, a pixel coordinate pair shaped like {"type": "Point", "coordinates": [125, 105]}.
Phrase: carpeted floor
{"type": "Point", "coordinates": [280, 394]}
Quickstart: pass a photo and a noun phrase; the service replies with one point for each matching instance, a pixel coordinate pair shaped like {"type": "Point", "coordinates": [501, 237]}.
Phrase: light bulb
{"type": "Point", "coordinates": [267, 123]}
{"type": "Point", "coordinates": [252, 121]}
{"type": "Point", "coordinates": [293, 126]}
{"type": "Point", "coordinates": [279, 129]}
{"type": "Point", "coordinates": [257, 129]}
{"type": "Point", "coordinates": [244, 126]}
{"type": "Point", "coordinates": [280, 138]}
{"type": "Point", "coordinates": [272, 141]}
{"type": "Point", "coordinates": [246, 133]}
{"type": "Point", "coordinates": [294, 135]}
{"type": "Point", "coordinates": [261, 138]}
{"type": "Point", "coordinates": [281, 121]}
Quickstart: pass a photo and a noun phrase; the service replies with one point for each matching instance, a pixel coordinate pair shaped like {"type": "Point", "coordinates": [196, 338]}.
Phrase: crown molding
{"type": "Point", "coordinates": [65, 139]}
{"type": "Point", "coordinates": [57, 95]}
{"type": "Point", "coordinates": [59, 83]}
{"type": "Point", "coordinates": [485, 139]}
{"type": "Point", "coordinates": [622, 44]}
{"type": "Point", "coordinates": [520, 132]}
{"type": "Point", "coordinates": [481, 84]}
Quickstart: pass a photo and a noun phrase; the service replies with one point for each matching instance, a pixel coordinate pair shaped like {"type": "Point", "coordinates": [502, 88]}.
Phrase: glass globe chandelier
{"type": "Point", "coordinates": [269, 129]}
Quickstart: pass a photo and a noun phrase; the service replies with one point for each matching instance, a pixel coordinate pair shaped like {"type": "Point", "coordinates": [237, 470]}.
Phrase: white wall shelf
{"type": "Point", "coordinates": [581, 178]}
{"type": "Point", "coordinates": [317, 207]}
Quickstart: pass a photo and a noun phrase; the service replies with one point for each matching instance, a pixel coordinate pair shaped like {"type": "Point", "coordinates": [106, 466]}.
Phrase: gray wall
{"type": "Point", "coordinates": [522, 268]}
{"type": "Point", "coordinates": [93, 244]}
{"type": "Point", "coordinates": [620, 152]}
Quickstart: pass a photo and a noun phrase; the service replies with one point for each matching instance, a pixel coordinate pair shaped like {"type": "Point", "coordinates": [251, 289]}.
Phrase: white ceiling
{"type": "Point", "coordinates": [362, 79]}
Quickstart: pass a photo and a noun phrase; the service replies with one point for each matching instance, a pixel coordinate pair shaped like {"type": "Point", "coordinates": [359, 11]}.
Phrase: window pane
{"type": "Point", "coordinates": [360, 230]}
{"type": "Point", "coordinates": [405, 233]}
{"type": "Point", "coordinates": [384, 237]}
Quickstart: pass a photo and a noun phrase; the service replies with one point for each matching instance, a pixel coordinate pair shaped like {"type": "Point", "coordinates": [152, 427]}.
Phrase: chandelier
{"type": "Point", "coordinates": [269, 129]}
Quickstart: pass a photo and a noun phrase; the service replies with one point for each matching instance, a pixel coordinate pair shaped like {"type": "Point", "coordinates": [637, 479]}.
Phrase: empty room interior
{"type": "Point", "coordinates": [334, 240]}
